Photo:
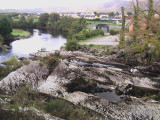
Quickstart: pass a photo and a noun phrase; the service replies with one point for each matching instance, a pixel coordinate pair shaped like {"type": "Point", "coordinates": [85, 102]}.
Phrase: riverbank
{"type": "Point", "coordinates": [39, 40]}
{"type": "Point", "coordinates": [20, 34]}
{"type": "Point", "coordinates": [17, 34]}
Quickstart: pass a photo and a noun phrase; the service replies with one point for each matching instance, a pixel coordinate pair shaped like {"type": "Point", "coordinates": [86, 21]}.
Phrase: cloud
{"type": "Point", "coordinates": [30, 4]}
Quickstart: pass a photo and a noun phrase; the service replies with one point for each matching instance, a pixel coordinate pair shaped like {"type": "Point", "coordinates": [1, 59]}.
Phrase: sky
{"type": "Point", "coordinates": [31, 4]}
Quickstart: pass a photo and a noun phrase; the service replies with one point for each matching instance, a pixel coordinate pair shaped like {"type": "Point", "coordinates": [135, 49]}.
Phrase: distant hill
{"type": "Point", "coordinates": [38, 10]}
{"type": "Point", "coordinates": [114, 5]}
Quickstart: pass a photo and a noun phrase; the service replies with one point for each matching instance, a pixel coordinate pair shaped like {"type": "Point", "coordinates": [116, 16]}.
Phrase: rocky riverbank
{"type": "Point", "coordinates": [77, 76]}
{"type": "Point", "coordinates": [7, 47]}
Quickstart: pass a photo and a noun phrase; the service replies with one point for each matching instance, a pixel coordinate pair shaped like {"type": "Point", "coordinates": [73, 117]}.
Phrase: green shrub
{"type": "Point", "coordinates": [80, 36]}
{"type": "Point", "coordinates": [114, 32]}
{"type": "Point", "coordinates": [59, 108]}
{"type": "Point", "coordinates": [10, 65]}
{"type": "Point", "coordinates": [1, 40]}
{"type": "Point", "coordinates": [72, 45]}
{"type": "Point", "coordinates": [50, 61]}
{"type": "Point", "coordinates": [84, 34]}
{"type": "Point", "coordinates": [12, 61]}
{"type": "Point", "coordinates": [98, 32]}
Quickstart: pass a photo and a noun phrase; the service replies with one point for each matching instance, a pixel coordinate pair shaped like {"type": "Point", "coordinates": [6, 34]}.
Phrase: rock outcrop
{"type": "Point", "coordinates": [67, 72]}
{"type": "Point", "coordinates": [116, 111]}
{"type": "Point", "coordinates": [32, 74]}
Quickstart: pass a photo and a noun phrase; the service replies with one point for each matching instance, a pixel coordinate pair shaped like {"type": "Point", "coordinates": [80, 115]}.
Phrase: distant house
{"type": "Point", "coordinates": [103, 27]}
{"type": "Point", "coordinates": [91, 17]}
{"type": "Point", "coordinates": [104, 17]}
{"type": "Point", "coordinates": [102, 14]}
{"type": "Point", "coordinates": [114, 18]}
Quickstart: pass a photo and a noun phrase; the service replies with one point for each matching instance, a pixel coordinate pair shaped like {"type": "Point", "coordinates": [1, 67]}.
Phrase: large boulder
{"type": "Point", "coordinates": [31, 74]}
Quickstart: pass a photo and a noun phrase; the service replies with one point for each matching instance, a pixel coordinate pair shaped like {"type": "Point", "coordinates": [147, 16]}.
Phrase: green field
{"type": "Point", "coordinates": [35, 20]}
{"type": "Point", "coordinates": [100, 22]}
{"type": "Point", "coordinates": [15, 20]}
{"type": "Point", "coordinates": [18, 32]}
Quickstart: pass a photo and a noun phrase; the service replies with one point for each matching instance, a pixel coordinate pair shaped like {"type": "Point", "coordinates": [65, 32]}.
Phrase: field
{"type": "Point", "coordinates": [101, 22]}
{"type": "Point", "coordinates": [34, 20]}
{"type": "Point", "coordinates": [18, 32]}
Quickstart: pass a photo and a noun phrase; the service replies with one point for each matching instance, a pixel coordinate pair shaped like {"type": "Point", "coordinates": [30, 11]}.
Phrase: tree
{"type": "Point", "coordinates": [95, 13]}
{"type": "Point", "coordinates": [136, 26]}
{"type": "Point", "coordinates": [65, 23]}
{"type": "Point", "coordinates": [111, 14]}
{"type": "Point", "coordinates": [76, 27]}
{"type": "Point", "coordinates": [5, 27]}
{"type": "Point", "coordinates": [53, 19]}
{"type": "Point", "coordinates": [1, 40]}
{"type": "Point", "coordinates": [129, 13]}
{"type": "Point", "coordinates": [43, 20]}
{"type": "Point", "coordinates": [117, 14]}
{"type": "Point", "coordinates": [30, 22]}
{"type": "Point", "coordinates": [150, 13]}
{"type": "Point", "coordinates": [22, 23]}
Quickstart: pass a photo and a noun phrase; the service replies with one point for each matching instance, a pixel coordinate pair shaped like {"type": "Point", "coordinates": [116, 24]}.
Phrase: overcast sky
{"type": "Point", "coordinates": [30, 4]}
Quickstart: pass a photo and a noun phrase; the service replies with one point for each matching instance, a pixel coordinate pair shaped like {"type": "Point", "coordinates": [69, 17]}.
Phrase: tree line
{"type": "Point", "coordinates": [75, 28]}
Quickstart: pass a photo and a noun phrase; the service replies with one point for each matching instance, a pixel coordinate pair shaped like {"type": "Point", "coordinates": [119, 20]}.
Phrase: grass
{"type": "Point", "coordinates": [107, 50]}
{"type": "Point", "coordinates": [10, 65]}
{"type": "Point", "coordinates": [81, 41]}
{"type": "Point", "coordinates": [66, 110]}
{"type": "Point", "coordinates": [22, 33]}
{"type": "Point", "coordinates": [100, 22]}
{"type": "Point", "coordinates": [15, 20]}
{"type": "Point", "coordinates": [35, 20]}
{"type": "Point", "coordinates": [50, 61]}
{"type": "Point", "coordinates": [26, 97]}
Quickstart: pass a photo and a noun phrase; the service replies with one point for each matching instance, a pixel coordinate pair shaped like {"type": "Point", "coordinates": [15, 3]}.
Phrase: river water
{"type": "Point", "coordinates": [39, 40]}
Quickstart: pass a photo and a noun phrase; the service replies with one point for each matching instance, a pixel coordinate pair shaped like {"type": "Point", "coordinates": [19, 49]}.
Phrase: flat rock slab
{"type": "Point", "coordinates": [116, 111]}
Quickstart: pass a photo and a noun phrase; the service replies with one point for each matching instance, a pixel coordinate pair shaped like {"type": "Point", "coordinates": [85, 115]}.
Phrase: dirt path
{"type": "Point", "coordinates": [112, 40]}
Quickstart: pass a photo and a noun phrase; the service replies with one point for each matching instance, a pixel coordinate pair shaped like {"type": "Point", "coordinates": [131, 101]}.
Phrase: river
{"type": "Point", "coordinates": [39, 40]}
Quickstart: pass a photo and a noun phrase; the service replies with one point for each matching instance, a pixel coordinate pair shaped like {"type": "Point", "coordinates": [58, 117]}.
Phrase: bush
{"type": "Point", "coordinates": [1, 40]}
{"type": "Point", "coordinates": [72, 45]}
{"type": "Point", "coordinates": [114, 32]}
{"type": "Point", "coordinates": [50, 61]}
{"type": "Point", "coordinates": [12, 61]}
{"type": "Point", "coordinates": [10, 65]}
{"type": "Point", "coordinates": [84, 34]}
{"type": "Point", "coordinates": [79, 36]}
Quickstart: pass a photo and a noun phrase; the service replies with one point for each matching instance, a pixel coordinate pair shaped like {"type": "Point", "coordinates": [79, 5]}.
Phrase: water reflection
{"type": "Point", "coordinates": [40, 39]}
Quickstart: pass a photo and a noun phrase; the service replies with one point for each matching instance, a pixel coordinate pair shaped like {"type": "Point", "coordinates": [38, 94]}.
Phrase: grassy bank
{"type": "Point", "coordinates": [22, 33]}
